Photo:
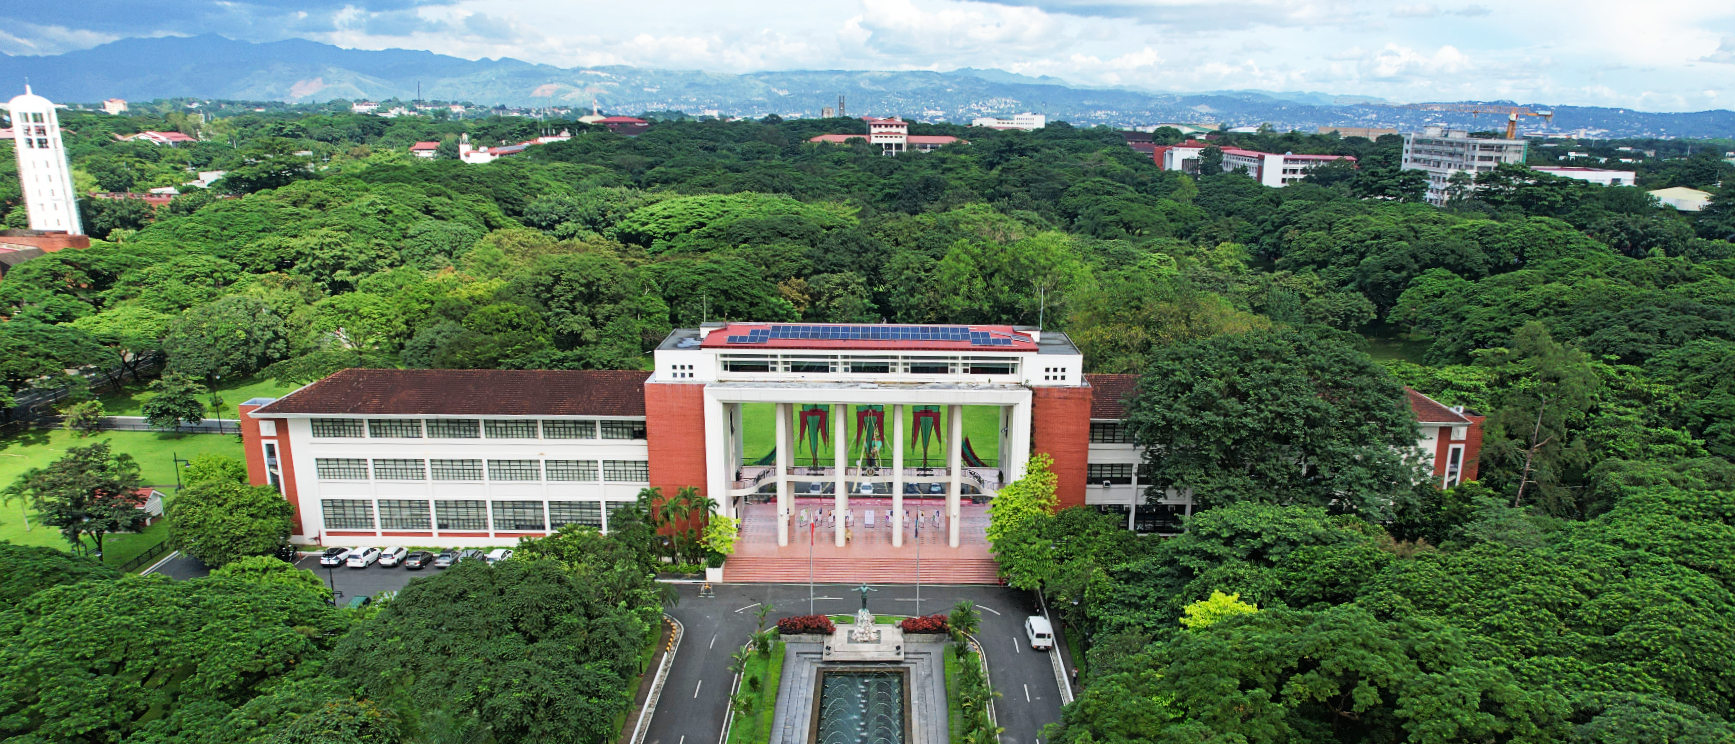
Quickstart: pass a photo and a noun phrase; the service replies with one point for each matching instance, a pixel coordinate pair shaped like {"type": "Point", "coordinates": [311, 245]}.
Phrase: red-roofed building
{"type": "Point", "coordinates": [892, 136]}
{"type": "Point", "coordinates": [161, 138]}
{"type": "Point", "coordinates": [627, 125]}
{"type": "Point", "coordinates": [1451, 438]}
{"type": "Point", "coordinates": [425, 149]}
{"type": "Point", "coordinates": [1181, 157]}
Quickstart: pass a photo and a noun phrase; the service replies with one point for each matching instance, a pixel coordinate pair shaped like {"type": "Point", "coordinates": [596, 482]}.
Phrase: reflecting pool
{"type": "Point", "coordinates": [860, 707]}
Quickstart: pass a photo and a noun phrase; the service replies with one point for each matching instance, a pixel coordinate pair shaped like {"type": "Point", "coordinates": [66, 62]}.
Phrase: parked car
{"type": "Point", "coordinates": [362, 557]}
{"type": "Point", "coordinates": [334, 556]}
{"type": "Point", "coordinates": [418, 560]}
{"type": "Point", "coordinates": [392, 556]}
{"type": "Point", "coordinates": [497, 555]}
{"type": "Point", "coordinates": [1041, 634]}
{"type": "Point", "coordinates": [446, 558]}
{"type": "Point", "coordinates": [471, 554]}
{"type": "Point", "coordinates": [356, 603]}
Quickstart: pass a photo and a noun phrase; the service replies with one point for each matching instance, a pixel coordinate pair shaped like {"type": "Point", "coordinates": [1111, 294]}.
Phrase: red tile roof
{"type": "Point", "coordinates": [470, 392]}
{"type": "Point", "coordinates": [1109, 394]}
{"type": "Point", "coordinates": [424, 146]}
{"type": "Point", "coordinates": [839, 138]}
{"type": "Point", "coordinates": [1430, 411]}
{"type": "Point", "coordinates": [931, 139]}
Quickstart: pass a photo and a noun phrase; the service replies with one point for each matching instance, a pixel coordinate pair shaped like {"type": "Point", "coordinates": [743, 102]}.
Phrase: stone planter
{"type": "Point", "coordinates": [714, 575]}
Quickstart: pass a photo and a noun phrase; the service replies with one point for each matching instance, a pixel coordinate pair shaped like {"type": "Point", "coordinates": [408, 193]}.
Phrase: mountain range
{"type": "Point", "coordinates": [300, 71]}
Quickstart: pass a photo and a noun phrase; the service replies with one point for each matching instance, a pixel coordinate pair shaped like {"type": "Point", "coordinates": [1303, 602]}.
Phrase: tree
{"type": "Point", "coordinates": [88, 491]}
{"type": "Point", "coordinates": [549, 670]}
{"type": "Point", "coordinates": [231, 337]}
{"type": "Point", "coordinates": [176, 401]}
{"type": "Point", "coordinates": [1208, 612]}
{"type": "Point", "coordinates": [26, 570]}
{"type": "Point", "coordinates": [343, 722]}
{"type": "Point", "coordinates": [964, 618]}
{"type": "Point", "coordinates": [265, 569]}
{"type": "Point", "coordinates": [130, 332]}
{"type": "Point", "coordinates": [219, 520]}
{"type": "Point", "coordinates": [1014, 523]}
{"type": "Point", "coordinates": [1533, 435]}
{"type": "Point", "coordinates": [1280, 416]}
{"type": "Point", "coordinates": [84, 418]}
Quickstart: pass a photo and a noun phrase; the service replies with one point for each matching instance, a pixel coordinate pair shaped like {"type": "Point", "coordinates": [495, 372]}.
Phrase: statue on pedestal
{"type": "Point", "coordinates": [865, 629]}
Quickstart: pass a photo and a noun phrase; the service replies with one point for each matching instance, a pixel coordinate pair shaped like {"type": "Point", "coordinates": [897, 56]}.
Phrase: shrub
{"type": "Point", "coordinates": [924, 624]}
{"type": "Point", "coordinates": [801, 624]}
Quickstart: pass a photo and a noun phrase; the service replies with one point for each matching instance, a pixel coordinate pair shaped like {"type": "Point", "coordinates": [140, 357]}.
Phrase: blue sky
{"type": "Point", "coordinates": [1662, 55]}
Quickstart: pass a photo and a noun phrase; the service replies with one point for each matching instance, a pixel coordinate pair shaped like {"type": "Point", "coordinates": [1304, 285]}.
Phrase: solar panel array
{"type": "Point", "coordinates": [870, 333]}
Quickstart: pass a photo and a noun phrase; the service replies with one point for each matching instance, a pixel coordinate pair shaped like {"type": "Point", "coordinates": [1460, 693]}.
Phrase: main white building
{"type": "Point", "coordinates": [44, 172]}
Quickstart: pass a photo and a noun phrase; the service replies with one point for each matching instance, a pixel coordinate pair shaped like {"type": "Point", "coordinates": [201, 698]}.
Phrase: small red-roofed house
{"type": "Point", "coordinates": [1451, 439]}
{"type": "Point", "coordinates": [161, 138]}
{"type": "Point", "coordinates": [425, 149]}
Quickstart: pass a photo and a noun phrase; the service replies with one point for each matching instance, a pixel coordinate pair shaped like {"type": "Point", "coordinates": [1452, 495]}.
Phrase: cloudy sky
{"type": "Point", "coordinates": [1659, 55]}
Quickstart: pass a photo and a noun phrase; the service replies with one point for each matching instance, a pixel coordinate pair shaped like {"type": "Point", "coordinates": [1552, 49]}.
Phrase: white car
{"type": "Point", "coordinates": [392, 556]}
{"type": "Point", "coordinates": [362, 557]}
{"type": "Point", "coordinates": [335, 556]}
{"type": "Point", "coordinates": [497, 555]}
{"type": "Point", "coordinates": [1041, 634]}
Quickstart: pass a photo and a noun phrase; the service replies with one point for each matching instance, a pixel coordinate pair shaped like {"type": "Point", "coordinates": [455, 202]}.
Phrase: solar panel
{"type": "Point", "coordinates": [871, 333]}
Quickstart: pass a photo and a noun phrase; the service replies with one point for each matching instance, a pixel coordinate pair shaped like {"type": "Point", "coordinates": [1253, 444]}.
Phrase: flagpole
{"type": "Point", "coordinates": [810, 533]}
{"type": "Point", "coordinates": [918, 563]}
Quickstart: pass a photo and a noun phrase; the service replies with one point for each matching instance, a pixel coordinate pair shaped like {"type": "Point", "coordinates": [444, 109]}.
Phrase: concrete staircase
{"type": "Point", "coordinates": [743, 569]}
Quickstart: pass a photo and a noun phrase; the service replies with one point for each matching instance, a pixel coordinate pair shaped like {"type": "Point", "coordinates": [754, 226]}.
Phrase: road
{"type": "Point", "coordinates": [695, 698]}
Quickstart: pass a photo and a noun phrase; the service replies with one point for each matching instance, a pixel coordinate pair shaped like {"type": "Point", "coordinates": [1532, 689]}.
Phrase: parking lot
{"type": "Point", "coordinates": [357, 582]}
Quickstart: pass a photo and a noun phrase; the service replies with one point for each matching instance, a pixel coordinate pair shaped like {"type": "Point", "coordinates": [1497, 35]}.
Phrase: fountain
{"type": "Point", "coordinates": [861, 706]}
{"type": "Point", "coordinates": [864, 639]}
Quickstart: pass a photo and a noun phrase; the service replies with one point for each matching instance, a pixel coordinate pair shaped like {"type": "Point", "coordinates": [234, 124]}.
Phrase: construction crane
{"type": "Point", "coordinates": [1512, 112]}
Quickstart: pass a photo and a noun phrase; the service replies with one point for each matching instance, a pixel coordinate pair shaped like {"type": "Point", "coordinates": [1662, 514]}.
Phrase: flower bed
{"type": "Point", "coordinates": [925, 624]}
{"type": "Point", "coordinates": [802, 624]}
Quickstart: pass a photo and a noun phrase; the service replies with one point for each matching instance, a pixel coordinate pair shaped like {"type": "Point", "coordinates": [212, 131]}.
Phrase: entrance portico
{"type": "Point", "coordinates": [869, 473]}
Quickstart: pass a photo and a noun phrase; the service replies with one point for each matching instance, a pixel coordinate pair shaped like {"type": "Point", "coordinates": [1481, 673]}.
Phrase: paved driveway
{"type": "Point", "coordinates": [353, 582]}
{"type": "Point", "coordinates": [695, 699]}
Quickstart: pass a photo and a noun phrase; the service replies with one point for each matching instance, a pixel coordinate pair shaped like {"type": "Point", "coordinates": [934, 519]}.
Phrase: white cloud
{"type": "Point", "coordinates": [1419, 10]}
{"type": "Point", "coordinates": [31, 39]}
{"type": "Point", "coordinates": [1400, 61]}
{"type": "Point", "coordinates": [1725, 52]}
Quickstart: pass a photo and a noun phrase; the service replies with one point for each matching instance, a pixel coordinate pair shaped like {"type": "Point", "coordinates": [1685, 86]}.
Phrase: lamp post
{"type": "Point", "coordinates": [331, 579]}
{"type": "Point", "coordinates": [217, 403]}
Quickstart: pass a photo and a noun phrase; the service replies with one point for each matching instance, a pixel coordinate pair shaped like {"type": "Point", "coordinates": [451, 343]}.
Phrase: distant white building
{"type": "Point", "coordinates": [892, 136]}
{"type": "Point", "coordinates": [1683, 198]}
{"type": "Point", "coordinates": [114, 106]}
{"type": "Point", "coordinates": [1442, 152]}
{"type": "Point", "coordinates": [1273, 169]}
{"type": "Point", "coordinates": [44, 173]}
{"type": "Point", "coordinates": [1024, 121]}
{"type": "Point", "coordinates": [363, 107]}
{"type": "Point", "coordinates": [1597, 176]}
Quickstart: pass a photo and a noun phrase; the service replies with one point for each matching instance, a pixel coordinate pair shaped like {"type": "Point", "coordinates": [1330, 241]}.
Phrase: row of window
{"type": "Point", "coordinates": [326, 428]}
{"type": "Point", "coordinates": [463, 515]}
{"type": "Point", "coordinates": [869, 365]}
{"type": "Point", "coordinates": [355, 468]}
{"type": "Point", "coordinates": [1110, 432]}
{"type": "Point", "coordinates": [1114, 474]}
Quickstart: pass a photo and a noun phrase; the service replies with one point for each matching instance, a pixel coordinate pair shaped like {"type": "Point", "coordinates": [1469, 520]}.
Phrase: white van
{"type": "Point", "coordinates": [1040, 633]}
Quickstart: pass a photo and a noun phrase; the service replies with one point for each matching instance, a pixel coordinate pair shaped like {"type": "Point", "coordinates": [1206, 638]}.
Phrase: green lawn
{"type": "Point", "coordinates": [954, 710]}
{"type": "Point", "coordinates": [130, 402]}
{"type": "Point", "coordinates": [981, 427]}
{"type": "Point", "coordinates": [154, 453]}
{"type": "Point", "coordinates": [756, 728]}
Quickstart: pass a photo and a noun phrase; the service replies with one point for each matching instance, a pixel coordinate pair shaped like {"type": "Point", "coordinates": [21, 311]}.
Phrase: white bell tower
{"type": "Point", "coordinates": [44, 173]}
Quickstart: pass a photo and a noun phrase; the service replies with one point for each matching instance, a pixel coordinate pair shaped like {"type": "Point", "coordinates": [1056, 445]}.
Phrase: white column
{"type": "Point", "coordinates": [1133, 507]}
{"type": "Point", "coordinates": [840, 452]}
{"type": "Point", "coordinates": [716, 456]}
{"type": "Point", "coordinates": [955, 464]}
{"type": "Point", "coordinates": [1018, 441]}
{"type": "Point", "coordinates": [785, 504]}
{"type": "Point", "coordinates": [897, 475]}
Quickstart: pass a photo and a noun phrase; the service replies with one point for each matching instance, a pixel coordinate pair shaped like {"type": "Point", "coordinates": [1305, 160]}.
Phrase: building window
{"type": "Point", "coordinates": [587, 513]}
{"type": "Point", "coordinates": [330, 428]}
{"type": "Point", "coordinates": [870, 366]}
{"type": "Point", "coordinates": [1110, 432]}
{"type": "Point", "coordinates": [273, 469]}
{"type": "Point", "coordinates": [1116, 474]}
{"type": "Point", "coordinates": [1454, 465]}
{"type": "Point", "coordinates": [340, 468]}
{"type": "Point", "coordinates": [454, 429]}
{"type": "Point", "coordinates": [569, 430]}
{"type": "Point", "coordinates": [394, 428]}
{"type": "Point", "coordinates": [464, 516]}
{"type": "Point", "coordinates": [399, 470]}
{"type": "Point", "coordinates": [930, 368]}
{"type": "Point", "coordinates": [810, 366]}
{"type": "Point", "coordinates": [404, 515]}
{"type": "Point", "coordinates": [514, 470]}
{"type": "Point", "coordinates": [623, 430]}
{"type": "Point", "coordinates": [510, 428]}
{"type": "Point", "coordinates": [571, 470]}
{"type": "Point", "coordinates": [746, 364]}
{"type": "Point", "coordinates": [347, 514]}
{"type": "Point", "coordinates": [456, 470]}
{"type": "Point", "coordinates": [626, 471]}
{"type": "Point", "coordinates": [992, 368]}
{"type": "Point", "coordinates": [518, 516]}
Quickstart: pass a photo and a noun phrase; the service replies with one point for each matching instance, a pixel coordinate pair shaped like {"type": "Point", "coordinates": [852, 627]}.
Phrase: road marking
{"type": "Point", "coordinates": [684, 740]}
{"type": "Point", "coordinates": [713, 641]}
{"type": "Point", "coordinates": [990, 609]}
{"type": "Point", "coordinates": [1017, 647]}
{"type": "Point", "coordinates": [749, 607]}
{"type": "Point", "coordinates": [702, 684]}
{"type": "Point", "coordinates": [1027, 693]}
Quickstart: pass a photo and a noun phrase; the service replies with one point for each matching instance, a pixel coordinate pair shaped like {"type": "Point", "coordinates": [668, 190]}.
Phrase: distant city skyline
{"type": "Point", "coordinates": [1670, 56]}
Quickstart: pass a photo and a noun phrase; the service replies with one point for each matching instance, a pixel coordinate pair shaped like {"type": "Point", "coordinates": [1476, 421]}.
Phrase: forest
{"type": "Point", "coordinates": [1580, 590]}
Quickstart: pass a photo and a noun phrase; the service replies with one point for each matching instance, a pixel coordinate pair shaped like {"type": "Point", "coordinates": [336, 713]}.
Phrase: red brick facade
{"type": "Point", "coordinates": [49, 241]}
{"type": "Point", "coordinates": [675, 436]}
{"type": "Point", "coordinates": [1060, 427]}
{"type": "Point", "coordinates": [254, 452]}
